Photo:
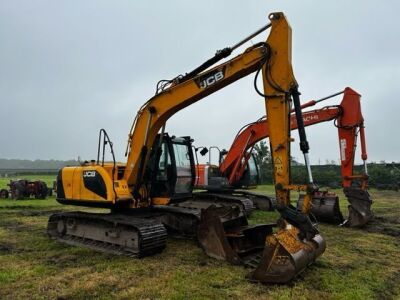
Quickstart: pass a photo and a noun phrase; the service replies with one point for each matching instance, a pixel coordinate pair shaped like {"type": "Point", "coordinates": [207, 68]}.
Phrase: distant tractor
{"type": "Point", "coordinates": [22, 188]}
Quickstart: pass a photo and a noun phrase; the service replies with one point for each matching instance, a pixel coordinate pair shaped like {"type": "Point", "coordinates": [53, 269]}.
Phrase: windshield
{"type": "Point", "coordinates": [252, 167]}
{"type": "Point", "coordinates": [183, 169]}
{"type": "Point", "coordinates": [164, 163]}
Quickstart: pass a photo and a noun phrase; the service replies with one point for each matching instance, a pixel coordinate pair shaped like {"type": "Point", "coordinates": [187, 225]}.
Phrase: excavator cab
{"type": "Point", "coordinates": [209, 177]}
{"type": "Point", "coordinates": [251, 175]}
{"type": "Point", "coordinates": [171, 168]}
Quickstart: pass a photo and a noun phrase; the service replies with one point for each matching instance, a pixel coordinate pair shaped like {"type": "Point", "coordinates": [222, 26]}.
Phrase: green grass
{"type": "Point", "coordinates": [358, 264]}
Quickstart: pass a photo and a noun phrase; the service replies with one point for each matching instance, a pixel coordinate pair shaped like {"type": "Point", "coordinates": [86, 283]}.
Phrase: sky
{"type": "Point", "coordinates": [69, 68]}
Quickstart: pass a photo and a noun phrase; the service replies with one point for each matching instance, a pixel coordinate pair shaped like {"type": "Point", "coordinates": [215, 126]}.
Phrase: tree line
{"type": "Point", "coordinates": [381, 175]}
{"type": "Point", "coordinates": [35, 164]}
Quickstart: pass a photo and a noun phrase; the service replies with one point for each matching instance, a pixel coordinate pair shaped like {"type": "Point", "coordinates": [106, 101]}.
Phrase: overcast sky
{"type": "Point", "coordinates": [69, 68]}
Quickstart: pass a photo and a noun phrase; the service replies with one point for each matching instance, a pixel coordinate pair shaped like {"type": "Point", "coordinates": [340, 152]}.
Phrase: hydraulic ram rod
{"type": "Point", "coordinates": [248, 38]}
{"type": "Point", "coordinates": [221, 54]}
{"type": "Point", "coordinates": [302, 132]}
{"type": "Point", "coordinates": [313, 102]}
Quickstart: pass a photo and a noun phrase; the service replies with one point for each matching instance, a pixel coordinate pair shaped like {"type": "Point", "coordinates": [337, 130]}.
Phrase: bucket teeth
{"type": "Point", "coordinates": [285, 256]}
{"type": "Point", "coordinates": [359, 208]}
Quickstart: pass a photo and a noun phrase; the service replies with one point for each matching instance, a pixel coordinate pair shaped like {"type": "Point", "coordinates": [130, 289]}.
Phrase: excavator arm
{"type": "Point", "coordinates": [349, 124]}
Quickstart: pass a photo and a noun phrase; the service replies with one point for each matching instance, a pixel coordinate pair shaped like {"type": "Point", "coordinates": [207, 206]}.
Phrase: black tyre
{"type": "Point", "coordinates": [4, 194]}
{"type": "Point", "coordinates": [18, 191]}
{"type": "Point", "coordinates": [17, 195]}
{"type": "Point", "coordinates": [42, 193]}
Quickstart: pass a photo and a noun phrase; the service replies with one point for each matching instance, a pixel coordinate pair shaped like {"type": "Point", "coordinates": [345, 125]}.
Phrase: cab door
{"type": "Point", "coordinates": [171, 168]}
{"type": "Point", "coordinates": [182, 151]}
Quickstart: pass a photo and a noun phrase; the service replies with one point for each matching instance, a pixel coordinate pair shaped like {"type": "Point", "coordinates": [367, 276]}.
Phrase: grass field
{"type": "Point", "coordinates": [358, 264]}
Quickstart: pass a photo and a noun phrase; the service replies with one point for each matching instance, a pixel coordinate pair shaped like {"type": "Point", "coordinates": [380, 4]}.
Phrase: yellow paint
{"type": "Point", "coordinates": [75, 190]}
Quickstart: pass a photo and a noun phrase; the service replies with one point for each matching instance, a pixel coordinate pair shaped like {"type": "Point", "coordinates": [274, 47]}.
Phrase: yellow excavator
{"type": "Point", "coordinates": [151, 194]}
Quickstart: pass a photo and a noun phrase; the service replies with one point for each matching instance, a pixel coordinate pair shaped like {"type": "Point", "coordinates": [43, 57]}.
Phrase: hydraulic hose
{"type": "Point", "coordinates": [304, 146]}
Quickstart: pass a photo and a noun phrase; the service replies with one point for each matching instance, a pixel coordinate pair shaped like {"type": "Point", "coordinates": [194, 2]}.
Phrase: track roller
{"type": "Point", "coordinates": [109, 233]}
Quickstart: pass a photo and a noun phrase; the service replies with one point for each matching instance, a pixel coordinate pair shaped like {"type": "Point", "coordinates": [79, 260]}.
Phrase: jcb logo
{"type": "Point", "coordinates": [89, 173]}
{"type": "Point", "coordinates": [211, 78]}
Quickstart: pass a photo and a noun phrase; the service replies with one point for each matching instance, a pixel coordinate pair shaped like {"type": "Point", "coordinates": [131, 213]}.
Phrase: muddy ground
{"type": "Point", "coordinates": [358, 264]}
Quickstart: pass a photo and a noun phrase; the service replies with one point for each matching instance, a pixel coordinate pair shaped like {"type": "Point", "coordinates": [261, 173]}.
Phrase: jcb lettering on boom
{"type": "Point", "coordinates": [211, 78]}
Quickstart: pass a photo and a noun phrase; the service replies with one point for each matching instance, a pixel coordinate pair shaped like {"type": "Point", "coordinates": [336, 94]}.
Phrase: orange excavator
{"type": "Point", "coordinates": [238, 168]}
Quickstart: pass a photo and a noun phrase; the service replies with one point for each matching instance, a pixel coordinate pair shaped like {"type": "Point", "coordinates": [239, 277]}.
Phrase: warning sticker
{"type": "Point", "coordinates": [278, 165]}
{"type": "Point", "coordinates": [343, 149]}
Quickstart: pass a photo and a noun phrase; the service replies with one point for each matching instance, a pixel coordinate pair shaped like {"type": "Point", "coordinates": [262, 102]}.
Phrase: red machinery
{"type": "Point", "coordinates": [23, 188]}
{"type": "Point", "coordinates": [349, 121]}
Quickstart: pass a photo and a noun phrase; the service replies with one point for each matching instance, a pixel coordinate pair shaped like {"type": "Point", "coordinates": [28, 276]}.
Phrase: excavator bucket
{"type": "Point", "coordinates": [359, 208]}
{"type": "Point", "coordinates": [325, 207]}
{"type": "Point", "coordinates": [286, 255]}
{"type": "Point", "coordinates": [272, 258]}
{"type": "Point", "coordinates": [212, 238]}
{"type": "Point", "coordinates": [230, 242]}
